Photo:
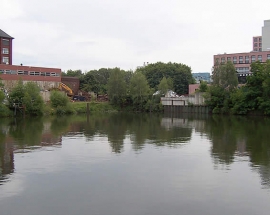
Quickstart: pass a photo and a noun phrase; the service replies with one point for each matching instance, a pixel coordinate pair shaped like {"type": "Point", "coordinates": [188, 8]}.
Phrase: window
{"type": "Point", "coordinates": [217, 61]}
{"type": "Point", "coordinates": [7, 72]}
{"type": "Point", "coordinates": [260, 49]}
{"type": "Point", "coordinates": [5, 42]}
{"type": "Point", "coordinates": [1, 71]}
{"type": "Point", "coordinates": [57, 74]}
{"type": "Point", "coordinates": [53, 74]}
{"type": "Point", "coordinates": [255, 49]}
{"type": "Point", "coordinates": [48, 74]}
{"type": "Point", "coordinates": [5, 60]}
{"type": "Point", "coordinates": [228, 58]}
{"type": "Point", "coordinates": [246, 59]}
{"type": "Point", "coordinates": [22, 72]}
{"type": "Point", "coordinates": [240, 59]}
{"type": "Point", "coordinates": [255, 44]}
{"type": "Point", "coordinates": [260, 39]}
{"type": "Point", "coordinates": [234, 60]}
{"type": "Point", "coordinates": [255, 39]}
{"type": "Point", "coordinates": [253, 58]}
{"type": "Point", "coordinates": [13, 72]}
{"type": "Point", "coordinates": [223, 60]}
{"type": "Point", "coordinates": [268, 57]}
{"type": "Point", "coordinates": [260, 58]}
{"type": "Point", "coordinates": [34, 73]}
{"type": "Point", "coordinates": [260, 44]}
{"type": "Point", "coordinates": [42, 73]}
{"type": "Point", "coordinates": [5, 51]}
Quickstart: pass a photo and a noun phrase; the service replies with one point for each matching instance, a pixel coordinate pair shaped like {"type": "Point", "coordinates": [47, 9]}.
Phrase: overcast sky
{"type": "Point", "coordinates": [93, 34]}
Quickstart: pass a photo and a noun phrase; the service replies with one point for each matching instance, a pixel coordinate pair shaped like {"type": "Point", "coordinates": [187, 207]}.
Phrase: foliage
{"type": "Point", "coordinates": [27, 96]}
{"type": "Point", "coordinates": [73, 73]}
{"type": "Point", "coordinates": [117, 87]}
{"type": "Point", "coordinates": [163, 86]}
{"type": "Point", "coordinates": [2, 96]}
{"type": "Point", "coordinates": [179, 74]}
{"type": "Point", "coordinates": [225, 76]}
{"type": "Point", "coordinates": [32, 99]}
{"type": "Point", "coordinates": [58, 99]}
{"type": "Point", "coordinates": [203, 86]}
{"type": "Point", "coordinates": [4, 111]}
{"type": "Point", "coordinates": [139, 90]}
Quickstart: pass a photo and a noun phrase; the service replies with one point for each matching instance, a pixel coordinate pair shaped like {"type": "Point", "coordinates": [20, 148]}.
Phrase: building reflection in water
{"type": "Point", "coordinates": [10, 146]}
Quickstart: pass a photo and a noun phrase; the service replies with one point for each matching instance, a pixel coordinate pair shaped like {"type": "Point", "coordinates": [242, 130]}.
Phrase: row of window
{"type": "Point", "coordinates": [256, 50]}
{"type": "Point", "coordinates": [242, 69]}
{"type": "Point", "coordinates": [32, 73]}
{"type": "Point", "coordinates": [243, 59]}
{"type": "Point", "coordinates": [256, 39]}
{"type": "Point", "coordinates": [257, 44]}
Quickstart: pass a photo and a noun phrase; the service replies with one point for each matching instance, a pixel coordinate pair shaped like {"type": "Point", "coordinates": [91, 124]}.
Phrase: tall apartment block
{"type": "Point", "coordinates": [242, 61]}
{"type": "Point", "coordinates": [266, 36]}
{"type": "Point", "coordinates": [6, 48]}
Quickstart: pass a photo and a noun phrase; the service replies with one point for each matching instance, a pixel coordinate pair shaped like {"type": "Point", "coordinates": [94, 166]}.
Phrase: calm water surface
{"type": "Point", "coordinates": [133, 164]}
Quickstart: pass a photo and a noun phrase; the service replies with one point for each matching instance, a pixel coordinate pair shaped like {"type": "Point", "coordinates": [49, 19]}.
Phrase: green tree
{"type": "Point", "coordinates": [139, 89]}
{"type": "Point", "coordinates": [180, 75]}
{"type": "Point", "coordinates": [203, 86]}
{"type": "Point", "coordinates": [225, 76]}
{"type": "Point", "coordinates": [32, 99]}
{"type": "Point", "coordinates": [117, 86]}
{"type": "Point", "coordinates": [163, 86]}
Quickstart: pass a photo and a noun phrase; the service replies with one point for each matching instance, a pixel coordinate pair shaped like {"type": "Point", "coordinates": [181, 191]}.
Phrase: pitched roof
{"type": "Point", "coordinates": [5, 35]}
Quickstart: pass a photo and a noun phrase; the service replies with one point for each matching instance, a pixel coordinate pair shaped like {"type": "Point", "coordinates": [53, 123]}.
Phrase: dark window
{"type": "Point", "coordinates": [260, 49]}
{"type": "Point", "coordinates": [260, 45]}
{"type": "Point", "coordinates": [5, 42]}
{"type": "Point", "coordinates": [253, 58]}
{"type": "Point", "coordinates": [268, 57]}
{"type": "Point", "coordinates": [246, 59]}
{"type": "Point", "coordinates": [255, 39]}
{"type": "Point", "coordinates": [234, 60]}
{"type": "Point", "coordinates": [228, 58]}
{"type": "Point", "coordinates": [255, 44]}
{"type": "Point", "coordinates": [260, 58]}
{"type": "Point", "coordinates": [255, 49]}
{"type": "Point", "coordinates": [223, 60]}
{"type": "Point", "coordinates": [240, 59]}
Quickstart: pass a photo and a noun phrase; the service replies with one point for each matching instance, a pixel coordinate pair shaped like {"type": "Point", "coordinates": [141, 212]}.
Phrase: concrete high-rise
{"type": "Point", "coordinates": [266, 36]}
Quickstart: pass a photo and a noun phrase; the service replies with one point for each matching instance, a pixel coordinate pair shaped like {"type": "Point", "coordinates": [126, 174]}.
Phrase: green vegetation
{"type": "Point", "coordinates": [225, 97]}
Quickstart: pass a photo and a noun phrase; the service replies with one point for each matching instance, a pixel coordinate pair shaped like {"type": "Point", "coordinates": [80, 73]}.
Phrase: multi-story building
{"type": "Point", "coordinates": [6, 48]}
{"type": "Point", "coordinates": [266, 36]}
{"type": "Point", "coordinates": [242, 61]}
{"type": "Point", "coordinates": [46, 78]}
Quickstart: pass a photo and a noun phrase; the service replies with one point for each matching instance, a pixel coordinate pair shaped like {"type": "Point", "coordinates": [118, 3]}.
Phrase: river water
{"type": "Point", "coordinates": [135, 164]}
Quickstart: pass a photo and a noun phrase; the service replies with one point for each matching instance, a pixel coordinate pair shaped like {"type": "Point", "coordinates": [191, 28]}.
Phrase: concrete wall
{"type": "Point", "coordinates": [196, 99]}
{"type": "Point", "coordinates": [44, 85]}
{"type": "Point", "coordinates": [266, 36]}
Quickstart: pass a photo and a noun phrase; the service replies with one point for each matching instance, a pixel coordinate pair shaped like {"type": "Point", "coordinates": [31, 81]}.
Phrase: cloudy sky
{"type": "Point", "coordinates": [91, 34]}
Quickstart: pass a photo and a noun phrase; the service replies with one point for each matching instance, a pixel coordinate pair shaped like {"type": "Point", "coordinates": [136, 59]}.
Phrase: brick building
{"type": "Point", "coordinates": [6, 48]}
{"type": "Point", "coordinates": [243, 60]}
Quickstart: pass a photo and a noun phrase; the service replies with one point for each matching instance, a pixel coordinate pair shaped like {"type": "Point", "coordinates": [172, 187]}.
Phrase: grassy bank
{"type": "Point", "coordinates": [78, 108]}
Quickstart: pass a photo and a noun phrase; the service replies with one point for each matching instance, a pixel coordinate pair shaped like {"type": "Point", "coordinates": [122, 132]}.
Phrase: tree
{"type": "Point", "coordinates": [203, 86]}
{"type": "Point", "coordinates": [32, 99]}
{"type": "Point", "coordinates": [28, 96]}
{"type": "Point", "coordinates": [180, 74]}
{"type": "Point", "coordinates": [117, 86]}
{"type": "Point", "coordinates": [139, 89]}
{"type": "Point", "coordinates": [163, 86]}
{"type": "Point", "coordinates": [225, 76]}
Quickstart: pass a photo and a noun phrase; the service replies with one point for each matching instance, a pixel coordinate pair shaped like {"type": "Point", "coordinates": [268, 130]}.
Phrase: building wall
{"type": "Point", "coordinates": [7, 47]}
{"type": "Point", "coordinates": [46, 78]}
{"type": "Point", "coordinates": [243, 60]}
{"type": "Point", "coordinates": [266, 36]}
{"type": "Point", "coordinates": [72, 82]}
{"type": "Point", "coordinates": [257, 43]}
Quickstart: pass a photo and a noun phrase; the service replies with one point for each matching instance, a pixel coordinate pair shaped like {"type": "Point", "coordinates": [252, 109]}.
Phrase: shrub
{"type": "Point", "coordinates": [58, 99]}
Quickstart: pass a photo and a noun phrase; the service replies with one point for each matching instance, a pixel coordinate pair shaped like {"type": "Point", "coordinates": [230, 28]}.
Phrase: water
{"type": "Point", "coordinates": [133, 164]}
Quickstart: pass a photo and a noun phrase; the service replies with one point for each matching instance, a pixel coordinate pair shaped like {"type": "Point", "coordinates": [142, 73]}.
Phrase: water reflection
{"type": "Point", "coordinates": [233, 139]}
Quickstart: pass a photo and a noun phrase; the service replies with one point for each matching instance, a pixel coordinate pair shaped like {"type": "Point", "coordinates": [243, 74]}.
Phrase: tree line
{"type": "Point", "coordinates": [225, 95]}
{"type": "Point", "coordinates": [135, 89]}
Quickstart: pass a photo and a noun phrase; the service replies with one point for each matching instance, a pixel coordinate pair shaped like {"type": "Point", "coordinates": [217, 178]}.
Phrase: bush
{"type": "Point", "coordinates": [58, 99]}
{"type": "Point", "coordinates": [5, 111]}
